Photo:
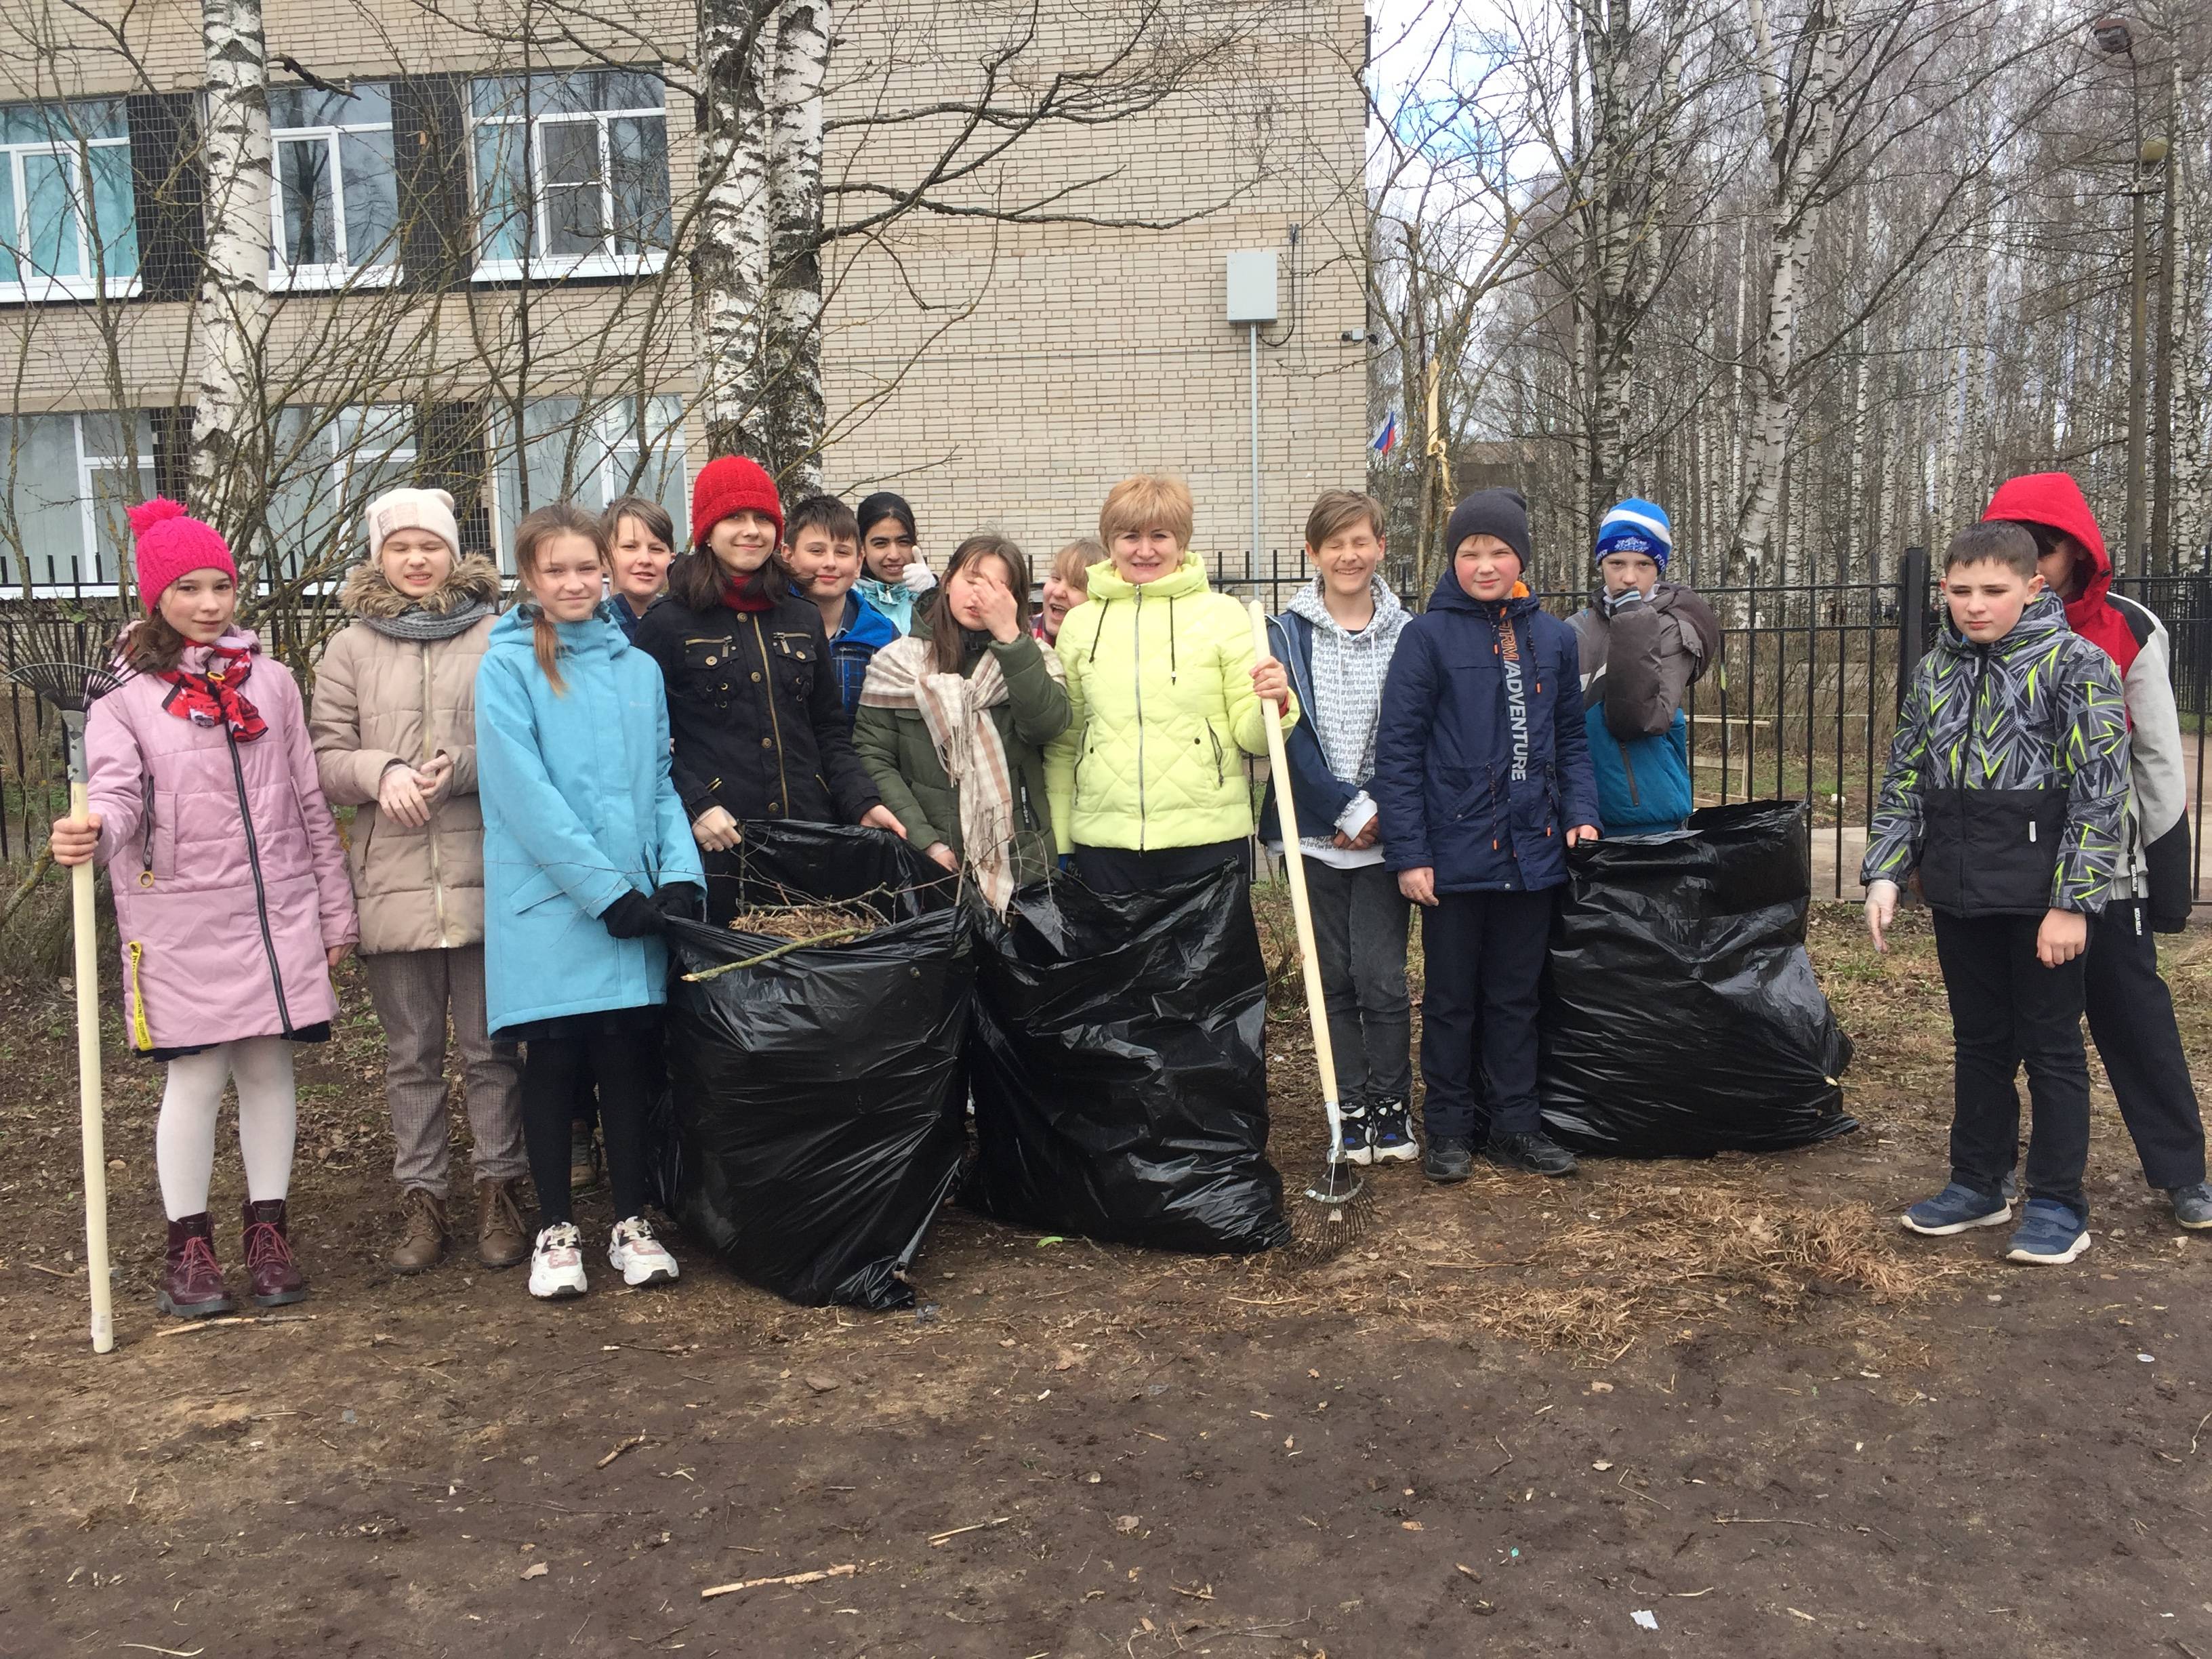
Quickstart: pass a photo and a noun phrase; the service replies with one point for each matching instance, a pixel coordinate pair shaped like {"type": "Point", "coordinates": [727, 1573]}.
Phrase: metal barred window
{"type": "Point", "coordinates": [335, 207]}
{"type": "Point", "coordinates": [68, 230]}
{"type": "Point", "coordinates": [570, 174]}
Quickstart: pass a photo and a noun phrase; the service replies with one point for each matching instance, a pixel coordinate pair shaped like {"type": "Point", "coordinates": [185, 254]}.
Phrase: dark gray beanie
{"type": "Point", "coordinates": [1501, 513]}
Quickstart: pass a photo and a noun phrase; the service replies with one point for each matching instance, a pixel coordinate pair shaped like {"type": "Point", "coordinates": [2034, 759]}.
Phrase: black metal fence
{"type": "Point", "coordinates": [1801, 703]}
{"type": "Point", "coordinates": [1803, 700]}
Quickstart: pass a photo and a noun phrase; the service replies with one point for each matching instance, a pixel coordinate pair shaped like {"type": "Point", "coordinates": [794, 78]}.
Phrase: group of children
{"type": "Point", "coordinates": [538, 791]}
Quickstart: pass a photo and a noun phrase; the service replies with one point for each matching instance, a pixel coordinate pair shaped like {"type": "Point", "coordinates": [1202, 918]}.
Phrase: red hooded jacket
{"type": "Point", "coordinates": [2054, 499]}
{"type": "Point", "coordinates": [2158, 863]}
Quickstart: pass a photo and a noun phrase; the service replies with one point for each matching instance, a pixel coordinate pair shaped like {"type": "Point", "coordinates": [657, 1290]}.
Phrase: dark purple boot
{"type": "Point", "coordinates": [192, 1278]}
{"type": "Point", "coordinates": [277, 1277]}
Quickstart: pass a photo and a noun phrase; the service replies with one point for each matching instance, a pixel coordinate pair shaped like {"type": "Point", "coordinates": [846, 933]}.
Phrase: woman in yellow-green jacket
{"type": "Point", "coordinates": [1165, 698]}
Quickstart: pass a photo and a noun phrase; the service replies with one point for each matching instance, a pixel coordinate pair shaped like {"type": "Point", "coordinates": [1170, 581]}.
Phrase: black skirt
{"type": "Point", "coordinates": [319, 1032]}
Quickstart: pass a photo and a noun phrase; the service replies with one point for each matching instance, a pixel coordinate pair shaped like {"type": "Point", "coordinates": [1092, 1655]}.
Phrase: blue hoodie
{"type": "Point", "coordinates": [866, 631]}
{"type": "Point", "coordinates": [1481, 762]}
{"type": "Point", "coordinates": [578, 809]}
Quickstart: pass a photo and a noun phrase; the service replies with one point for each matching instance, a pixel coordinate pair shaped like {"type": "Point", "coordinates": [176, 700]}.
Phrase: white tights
{"type": "Point", "coordinates": [184, 1141]}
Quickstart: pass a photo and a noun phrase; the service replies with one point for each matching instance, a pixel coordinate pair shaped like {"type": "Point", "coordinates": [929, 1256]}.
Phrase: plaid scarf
{"type": "Point", "coordinates": [956, 714]}
{"type": "Point", "coordinates": [212, 695]}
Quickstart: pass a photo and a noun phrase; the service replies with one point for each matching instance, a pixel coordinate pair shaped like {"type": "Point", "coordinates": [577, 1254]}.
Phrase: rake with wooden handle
{"type": "Point", "coordinates": [1337, 1211]}
{"type": "Point", "coordinates": [71, 688]}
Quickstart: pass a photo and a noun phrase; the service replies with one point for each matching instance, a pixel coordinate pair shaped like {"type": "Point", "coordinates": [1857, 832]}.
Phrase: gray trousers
{"type": "Point", "coordinates": [1359, 934]}
{"type": "Point", "coordinates": [412, 991]}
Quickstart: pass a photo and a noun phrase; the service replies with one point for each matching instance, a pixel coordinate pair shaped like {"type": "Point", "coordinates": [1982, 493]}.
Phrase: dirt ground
{"type": "Point", "coordinates": [1732, 1395]}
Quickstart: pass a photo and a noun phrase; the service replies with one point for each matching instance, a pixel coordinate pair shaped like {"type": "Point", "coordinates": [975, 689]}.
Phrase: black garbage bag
{"type": "Point", "coordinates": [815, 1100]}
{"type": "Point", "coordinates": [1680, 1014]}
{"type": "Point", "coordinates": [1120, 1067]}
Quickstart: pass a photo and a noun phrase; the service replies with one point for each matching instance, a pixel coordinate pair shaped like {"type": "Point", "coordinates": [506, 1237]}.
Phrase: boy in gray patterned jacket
{"type": "Point", "coordinates": [2007, 788]}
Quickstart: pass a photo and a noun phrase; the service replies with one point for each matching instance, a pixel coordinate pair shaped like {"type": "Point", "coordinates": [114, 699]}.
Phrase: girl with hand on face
{"type": "Point", "coordinates": [893, 576]}
{"type": "Point", "coordinates": [1166, 696]}
{"type": "Point", "coordinates": [588, 854]}
{"type": "Point", "coordinates": [395, 734]}
{"type": "Point", "coordinates": [640, 541]}
{"type": "Point", "coordinates": [954, 720]}
{"type": "Point", "coordinates": [753, 697]}
{"type": "Point", "coordinates": [230, 895]}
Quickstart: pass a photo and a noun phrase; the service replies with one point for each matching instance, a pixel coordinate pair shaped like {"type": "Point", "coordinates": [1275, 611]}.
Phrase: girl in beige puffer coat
{"type": "Point", "coordinates": [394, 728]}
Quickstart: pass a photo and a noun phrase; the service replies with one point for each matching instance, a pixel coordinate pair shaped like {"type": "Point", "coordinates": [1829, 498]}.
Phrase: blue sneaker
{"type": "Point", "coordinates": [1358, 1138]}
{"type": "Point", "coordinates": [1392, 1134]}
{"type": "Point", "coordinates": [1955, 1209]}
{"type": "Point", "coordinates": [2192, 1206]}
{"type": "Point", "coordinates": [2051, 1235]}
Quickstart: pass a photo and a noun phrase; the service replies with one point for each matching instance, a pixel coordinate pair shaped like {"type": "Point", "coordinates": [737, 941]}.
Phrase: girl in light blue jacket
{"type": "Point", "coordinates": [587, 852]}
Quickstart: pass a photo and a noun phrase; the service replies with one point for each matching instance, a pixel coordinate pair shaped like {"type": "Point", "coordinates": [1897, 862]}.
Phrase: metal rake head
{"type": "Point", "coordinates": [72, 686]}
{"type": "Point", "coordinates": [1328, 1218]}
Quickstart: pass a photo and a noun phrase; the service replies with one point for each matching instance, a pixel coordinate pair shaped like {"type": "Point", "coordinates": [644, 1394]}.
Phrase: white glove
{"type": "Point", "coordinates": [917, 578]}
{"type": "Point", "coordinates": [1881, 910]}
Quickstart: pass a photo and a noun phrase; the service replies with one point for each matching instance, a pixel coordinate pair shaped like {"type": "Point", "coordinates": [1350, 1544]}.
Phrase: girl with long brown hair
{"type": "Point", "coordinates": [587, 852]}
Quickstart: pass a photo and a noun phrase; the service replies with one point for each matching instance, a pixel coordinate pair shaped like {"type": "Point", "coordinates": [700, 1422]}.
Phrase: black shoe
{"type": "Point", "coordinates": [1448, 1160]}
{"type": "Point", "coordinates": [1531, 1150]}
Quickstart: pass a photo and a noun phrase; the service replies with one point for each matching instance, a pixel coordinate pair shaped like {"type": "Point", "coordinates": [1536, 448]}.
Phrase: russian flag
{"type": "Point", "coordinates": [1386, 435]}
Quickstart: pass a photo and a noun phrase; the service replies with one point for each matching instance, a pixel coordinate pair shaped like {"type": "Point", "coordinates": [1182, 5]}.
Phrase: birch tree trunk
{"type": "Point", "coordinates": [731, 265]}
{"type": "Point", "coordinates": [230, 321]}
{"type": "Point", "coordinates": [795, 406]}
{"type": "Point", "coordinates": [1798, 144]}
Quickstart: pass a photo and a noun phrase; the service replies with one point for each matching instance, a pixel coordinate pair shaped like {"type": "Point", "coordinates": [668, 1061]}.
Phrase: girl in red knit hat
{"type": "Point", "coordinates": [231, 894]}
{"type": "Point", "coordinates": [754, 703]}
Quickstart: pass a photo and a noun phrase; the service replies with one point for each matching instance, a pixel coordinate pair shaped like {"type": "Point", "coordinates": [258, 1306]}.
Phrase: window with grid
{"type": "Point", "coordinates": [335, 209]}
{"type": "Point", "coordinates": [571, 174]}
{"type": "Point", "coordinates": [329, 464]}
{"type": "Point", "coordinates": [66, 482]}
{"type": "Point", "coordinates": [68, 230]}
{"type": "Point", "coordinates": [590, 455]}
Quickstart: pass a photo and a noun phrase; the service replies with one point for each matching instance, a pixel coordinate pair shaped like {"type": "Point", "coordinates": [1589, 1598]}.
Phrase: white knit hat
{"type": "Point", "coordinates": [412, 509]}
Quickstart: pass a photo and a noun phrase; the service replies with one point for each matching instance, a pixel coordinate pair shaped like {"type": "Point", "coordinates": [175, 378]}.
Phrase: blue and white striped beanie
{"type": "Point", "coordinates": [1637, 526]}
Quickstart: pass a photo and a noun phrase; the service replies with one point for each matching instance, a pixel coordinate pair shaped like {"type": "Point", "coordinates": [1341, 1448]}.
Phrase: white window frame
{"type": "Point", "coordinates": [541, 267]}
{"type": "Point", "coordinates": [91, 577]}
{"type": "Point", "coordinates": [46, 286]}
{"type": "Point", "coordinates": [616, 433]}
{"type": "Point", "coordinates": [283, 275]}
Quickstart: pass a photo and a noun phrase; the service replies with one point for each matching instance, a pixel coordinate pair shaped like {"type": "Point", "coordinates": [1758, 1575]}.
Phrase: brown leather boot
{"type": "Point", "coordinates": [276, 1278]}
{"type": "Point", "coordinates": [192, 1278]}
{"type": "Point", "coordinates": [503, 1241]}
{"type": "Point", "coordinates": [423, 1232]}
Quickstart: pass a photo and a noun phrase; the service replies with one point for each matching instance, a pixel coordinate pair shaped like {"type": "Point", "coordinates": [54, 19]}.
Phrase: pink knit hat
{"type": "Point", "coordinates": [172, 544]}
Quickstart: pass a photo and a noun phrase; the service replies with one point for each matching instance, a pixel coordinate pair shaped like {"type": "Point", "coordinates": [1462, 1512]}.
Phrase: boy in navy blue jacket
{"type": "Point", "coordinates": [1482, 772]}
{"type": "Point", "coordinates": [1336, 638]}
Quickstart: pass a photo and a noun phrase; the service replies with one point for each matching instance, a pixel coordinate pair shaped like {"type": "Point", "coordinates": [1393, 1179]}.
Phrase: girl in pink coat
{"type": "Point", "coordinates": [230, 888]}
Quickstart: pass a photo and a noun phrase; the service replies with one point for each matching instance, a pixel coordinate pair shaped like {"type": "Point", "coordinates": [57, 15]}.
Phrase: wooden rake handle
{"type": "Point", "coordinates": [1294, 864]}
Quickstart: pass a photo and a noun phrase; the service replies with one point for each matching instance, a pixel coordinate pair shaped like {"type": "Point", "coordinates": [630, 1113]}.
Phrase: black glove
{"type": "Point", "coordinates": [632, 916]}
{"type": "Point", "coordinates": [680, 898]}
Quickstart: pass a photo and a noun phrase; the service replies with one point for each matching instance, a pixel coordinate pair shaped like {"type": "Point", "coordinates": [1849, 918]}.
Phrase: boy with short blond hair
{"type": "Point", "coordinates": [2007, 790]}
{"type": "Point", "coordinates": [1336, 636]}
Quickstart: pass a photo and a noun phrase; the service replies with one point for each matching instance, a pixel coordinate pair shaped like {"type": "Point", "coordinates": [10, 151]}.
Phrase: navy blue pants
{"type": "Point", "coordinates": [1483, 956]}
{"type": "Point", "coordinates": [2009, 1011]}
{"type": "Point", "coordinates": [2131, 1017]}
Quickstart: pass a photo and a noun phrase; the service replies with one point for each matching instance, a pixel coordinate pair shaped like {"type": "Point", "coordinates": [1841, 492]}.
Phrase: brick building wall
{"type": "Point", "coordinates": [1000, 374]}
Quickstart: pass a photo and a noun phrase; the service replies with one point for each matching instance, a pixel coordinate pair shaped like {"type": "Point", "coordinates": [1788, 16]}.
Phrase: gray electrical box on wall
{"type": "Point", "coordinates": [1252, 287]}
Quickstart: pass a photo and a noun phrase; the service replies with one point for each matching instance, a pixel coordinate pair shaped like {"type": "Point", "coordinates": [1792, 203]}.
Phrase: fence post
{"type": "Point", "coordinates": [1911, 617]}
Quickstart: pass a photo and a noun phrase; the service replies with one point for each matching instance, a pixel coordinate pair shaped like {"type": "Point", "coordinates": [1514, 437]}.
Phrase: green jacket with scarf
{"type": "Point", "coordinates": [895, 745]}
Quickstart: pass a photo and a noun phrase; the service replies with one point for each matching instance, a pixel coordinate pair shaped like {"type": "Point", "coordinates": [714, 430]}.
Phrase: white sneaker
{"type": "Point", "coordinates": [557, 1265]}
{"type": "Point", "coordinates": [638, 1255]}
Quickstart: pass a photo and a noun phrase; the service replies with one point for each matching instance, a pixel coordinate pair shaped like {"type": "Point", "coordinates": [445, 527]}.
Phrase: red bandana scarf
{"type": "Point", "coordinates": [204, 699]}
